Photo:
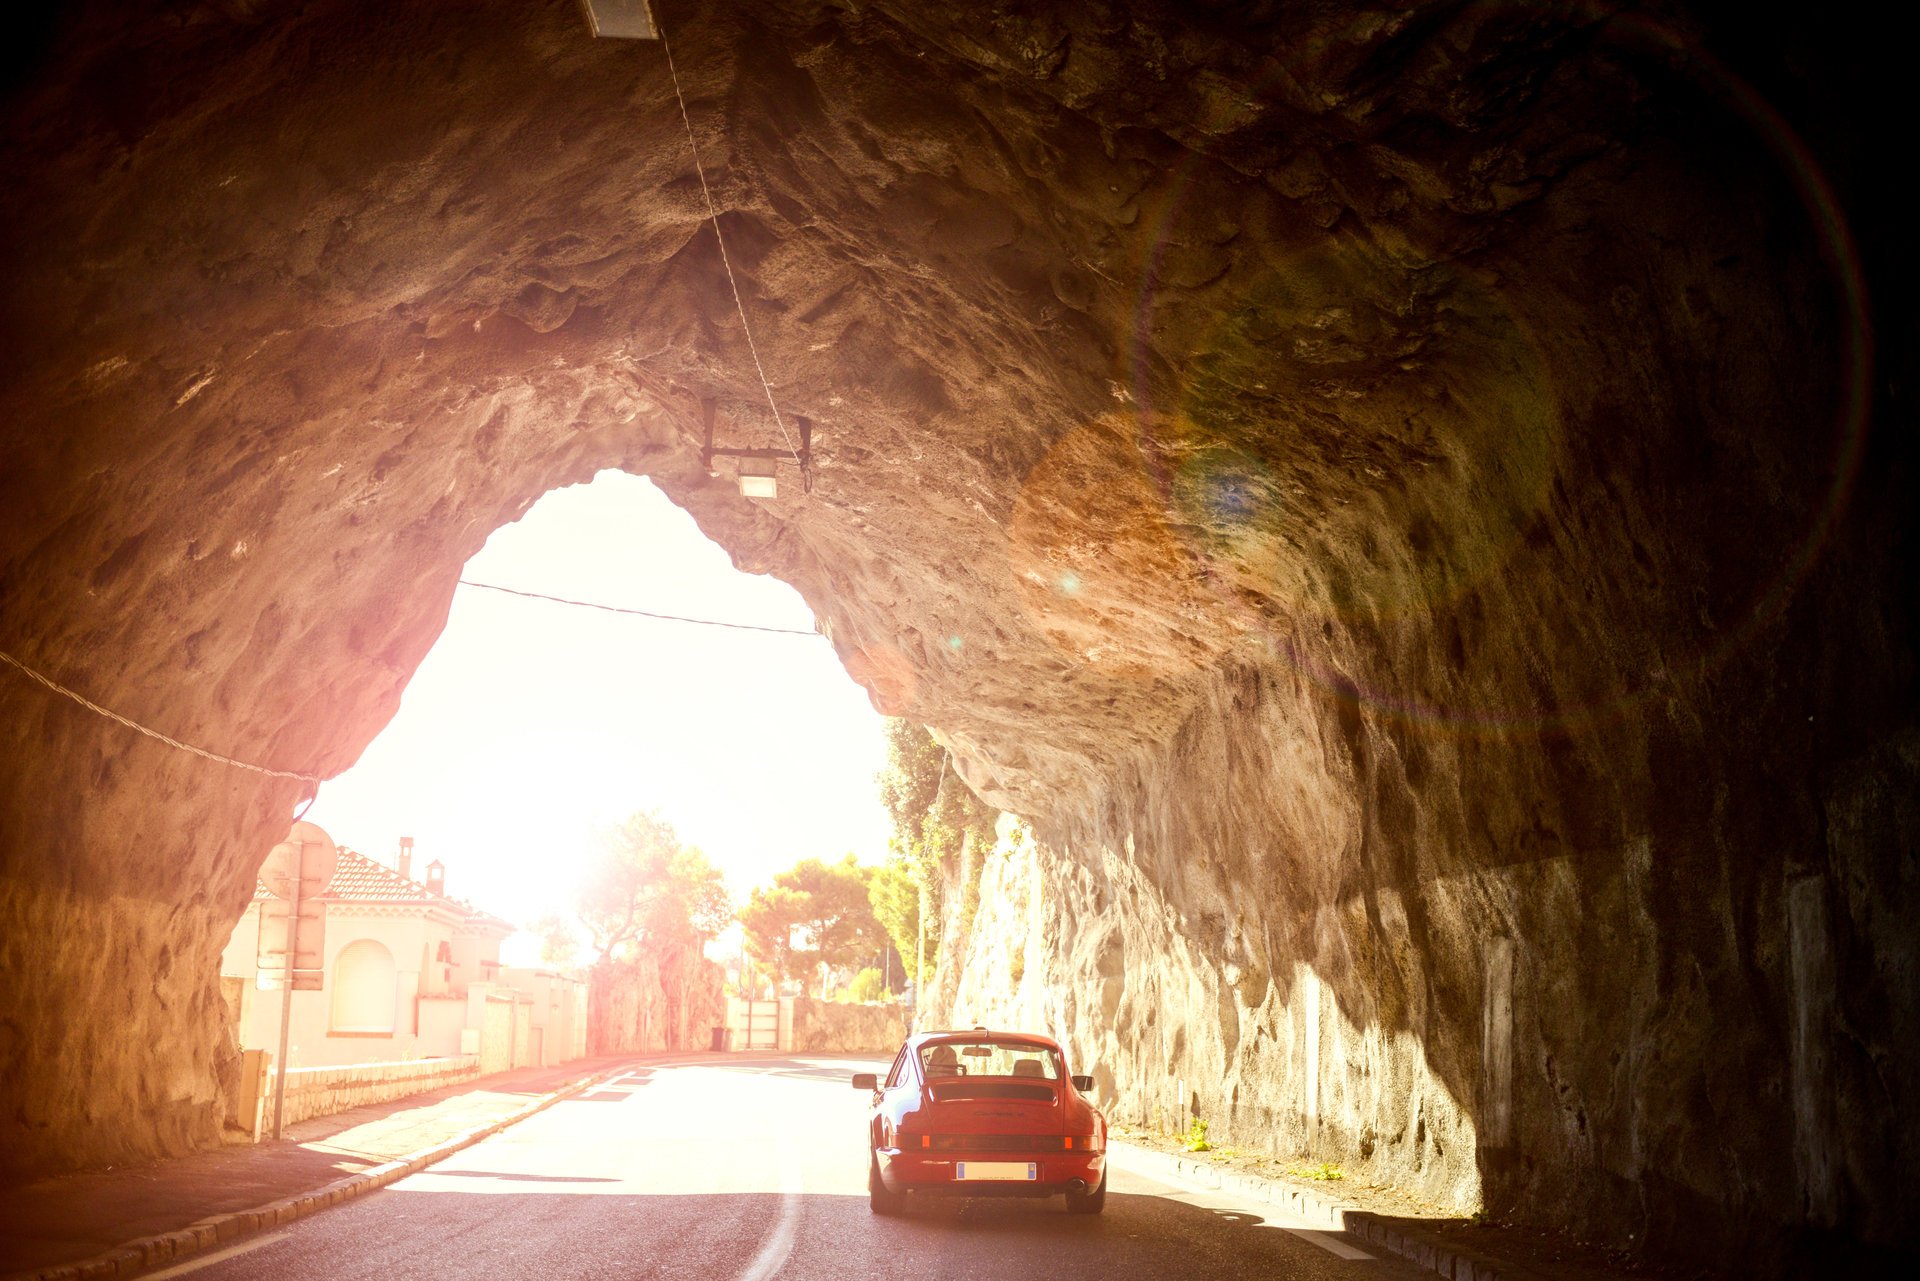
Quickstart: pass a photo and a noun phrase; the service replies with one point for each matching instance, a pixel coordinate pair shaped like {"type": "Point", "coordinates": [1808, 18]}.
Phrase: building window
{"type": "Point", "coordinates": [364, 981]}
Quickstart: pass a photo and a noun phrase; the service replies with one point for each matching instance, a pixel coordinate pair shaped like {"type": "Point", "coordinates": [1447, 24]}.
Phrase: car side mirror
{"type": "Point", "coordinates": [1084, 1084]}
{"type": "Point", "coordinates": [866, 1080]}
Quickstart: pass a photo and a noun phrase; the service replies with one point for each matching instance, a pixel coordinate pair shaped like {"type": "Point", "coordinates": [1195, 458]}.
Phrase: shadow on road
{"type": "Point", "coordinates": [798, 1069]}
{"type": "Point", "coordinates": [798, 1236]}
{"type": "Point", "coordinates": [520, 1178]}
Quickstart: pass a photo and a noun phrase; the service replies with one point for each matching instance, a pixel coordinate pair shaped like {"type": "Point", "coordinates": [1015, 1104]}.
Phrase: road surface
{"type": "Point", "coordinates": [748, 1169]}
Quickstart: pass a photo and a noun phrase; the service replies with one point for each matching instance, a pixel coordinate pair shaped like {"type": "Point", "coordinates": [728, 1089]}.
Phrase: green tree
{"type": "Point", "coordinates": [816, 917]}
{"type": "Point", "coordinates": [769, 919]}
{"type": "Point", "coordinates": [838, 922]}
{"type": "Point", "coordinates": [558, 943]}
{"type": "Point", "coordinates": [936, 820]}
{"type": "Point", "coordinates": [894, 893]}
{"type": "Point", "coordinates": [868, 986]}
{"type": "Point", "coordinates": [644, 887]}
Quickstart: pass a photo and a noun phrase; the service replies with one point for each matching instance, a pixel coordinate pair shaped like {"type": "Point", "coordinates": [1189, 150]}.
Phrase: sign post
{"type": "Point", "coordinates": [297, 871]}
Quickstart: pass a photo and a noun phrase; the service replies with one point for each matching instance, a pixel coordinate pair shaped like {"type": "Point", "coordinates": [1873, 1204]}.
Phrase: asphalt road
{"type": "Point", "coordinates": [744, 1169]}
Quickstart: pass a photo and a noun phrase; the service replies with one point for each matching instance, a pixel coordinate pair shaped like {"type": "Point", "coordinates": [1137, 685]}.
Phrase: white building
{"type": "Point", "coordinates": [409, 974]}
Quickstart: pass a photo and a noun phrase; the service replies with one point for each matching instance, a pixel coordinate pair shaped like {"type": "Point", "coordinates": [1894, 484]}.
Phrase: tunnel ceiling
{"type": "Point", "coordinates": [1132, 344]}
{"type": "Point", "coordinates": [1322, 464]}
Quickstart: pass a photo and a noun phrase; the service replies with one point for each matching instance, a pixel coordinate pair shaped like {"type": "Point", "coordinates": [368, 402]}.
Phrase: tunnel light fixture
{"type": "Point", "coordinates": [757, 478]}
{"type": "Point", "coordinates": [620, 19]}
{"type": "Point", "coordinates": [758, 470]}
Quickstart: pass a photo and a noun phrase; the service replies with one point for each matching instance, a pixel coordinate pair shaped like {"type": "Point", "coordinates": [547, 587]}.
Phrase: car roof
{"type": "Point", "coordinates": [919, 1039]}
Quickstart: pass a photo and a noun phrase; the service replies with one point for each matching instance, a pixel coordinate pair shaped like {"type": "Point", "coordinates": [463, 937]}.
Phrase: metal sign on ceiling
{"type": "Point", "coordinates": [621, 19]}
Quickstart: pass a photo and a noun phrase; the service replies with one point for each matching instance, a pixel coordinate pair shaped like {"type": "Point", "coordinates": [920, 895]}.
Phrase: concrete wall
{"type": "Point", "coordinates": [495, 1021]}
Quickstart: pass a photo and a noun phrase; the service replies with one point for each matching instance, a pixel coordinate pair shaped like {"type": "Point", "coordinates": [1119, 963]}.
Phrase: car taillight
{"type": "Point", "coordinates": [1082, 1143]}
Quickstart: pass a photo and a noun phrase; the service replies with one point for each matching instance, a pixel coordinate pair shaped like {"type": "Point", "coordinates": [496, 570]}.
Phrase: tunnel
{"type": "Point", "coordinates": [1409, 505]}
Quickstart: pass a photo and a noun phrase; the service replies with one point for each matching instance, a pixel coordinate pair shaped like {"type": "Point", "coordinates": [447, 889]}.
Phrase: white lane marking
{"type": "Point", "coordinates": [779, 1243]}
{"type": "Point", "coordinates": [218, 1256]}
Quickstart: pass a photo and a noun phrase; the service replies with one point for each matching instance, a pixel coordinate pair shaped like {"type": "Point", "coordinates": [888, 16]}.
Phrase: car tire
{"type": "Point", "coordinates": [879, 1200]}
{"type": "Point", "coordinates": [1089, 1202]}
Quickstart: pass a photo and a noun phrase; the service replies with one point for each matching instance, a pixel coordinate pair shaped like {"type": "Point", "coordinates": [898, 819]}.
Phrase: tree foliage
{"type": "Point", "coordinates": [934, 815]}
{"type": "Point", "coordinates": [558, 942]}
{"type": "Point", "coordinates": [645, 887]}
{"type": "Point", "coordinates": [815, 916]}
{"type": "Point", "coordinates": [869, 985]}
{"type": "Point", "coordinates": [895, 895]}
{"type": "Point", "coordinates": [769, 919]}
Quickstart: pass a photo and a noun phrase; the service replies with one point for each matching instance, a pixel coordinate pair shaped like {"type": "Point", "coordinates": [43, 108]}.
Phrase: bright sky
{"type": "Point", "coordinates": [530, 724]}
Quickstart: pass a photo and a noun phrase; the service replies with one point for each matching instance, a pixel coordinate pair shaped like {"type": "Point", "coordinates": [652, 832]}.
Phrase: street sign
{"type": "Point", "coordinates": [309, 938]}
{"type": "Point", "coordinates": [307, 849]}
{"type": "Point", "coordinates": [297, 871]}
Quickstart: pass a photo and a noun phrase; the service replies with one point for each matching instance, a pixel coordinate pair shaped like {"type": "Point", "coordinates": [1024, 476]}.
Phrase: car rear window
{"type": "Point", "coordinates": [948, 1059]}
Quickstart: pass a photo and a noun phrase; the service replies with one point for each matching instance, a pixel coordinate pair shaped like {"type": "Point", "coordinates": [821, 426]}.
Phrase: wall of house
{"type": "Point", "coordinates": [476, 959]}
{"type": "Point", "coordinates": [443, 1020]}
{"type": "Point", "coordinates": [313, 1040]}
{"type": "Point", "coordinates": [557, 1013]}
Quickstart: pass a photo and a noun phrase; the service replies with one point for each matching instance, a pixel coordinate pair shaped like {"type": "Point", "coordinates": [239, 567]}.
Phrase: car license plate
{"type": "Point", "coordinates": [1002, 1170]}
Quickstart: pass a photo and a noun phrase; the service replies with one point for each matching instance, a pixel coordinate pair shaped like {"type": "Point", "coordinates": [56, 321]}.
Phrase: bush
{"type": "Point", "coordinates": [1196, 1136]}
{"type": "Point", "coordinates": [867, 986]}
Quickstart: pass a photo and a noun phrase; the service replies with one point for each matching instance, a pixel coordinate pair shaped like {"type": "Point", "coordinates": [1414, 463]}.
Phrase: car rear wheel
{"type": "Point", "coordinates": [1089, 1202]}
{"type": "Point", "coordinates": [881, 1201]}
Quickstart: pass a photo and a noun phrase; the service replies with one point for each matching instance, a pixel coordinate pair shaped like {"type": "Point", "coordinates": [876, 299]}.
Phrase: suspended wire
{"type": "Point", "coordinates": [639, 613]}
{"type": "Point", "coordinates": [713, 215]}
{"type": "Point", "coordinates": [111, 715]}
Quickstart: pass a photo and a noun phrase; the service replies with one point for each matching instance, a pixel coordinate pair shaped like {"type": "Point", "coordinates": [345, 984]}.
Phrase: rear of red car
{"type": "Point", "coordinates": [985, 1114]}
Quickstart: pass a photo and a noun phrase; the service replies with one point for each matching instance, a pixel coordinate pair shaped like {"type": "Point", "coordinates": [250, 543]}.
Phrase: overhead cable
{"type": "Point", "coordinates": [170, 741]}
{"type": "Point", "coordinates": [640, 613]}
{"type": "Point", "coordinates": [713, 215]}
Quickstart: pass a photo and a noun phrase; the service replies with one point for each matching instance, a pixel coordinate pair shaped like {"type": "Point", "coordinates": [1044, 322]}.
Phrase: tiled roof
{"type": "Point", "coordinates": [359, 879]}
{"type": "Point", "coordinates": [480, 916]}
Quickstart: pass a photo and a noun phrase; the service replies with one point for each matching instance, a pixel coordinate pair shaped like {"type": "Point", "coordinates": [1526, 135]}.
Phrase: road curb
{"type": "Point", "coordinates": [141, 1256]}
{"type": "Point", "coordinates": [1328, 1212]}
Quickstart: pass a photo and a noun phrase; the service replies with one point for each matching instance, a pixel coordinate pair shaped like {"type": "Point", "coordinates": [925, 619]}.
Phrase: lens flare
{"type": "Point", "coordinates": [1240, 492]}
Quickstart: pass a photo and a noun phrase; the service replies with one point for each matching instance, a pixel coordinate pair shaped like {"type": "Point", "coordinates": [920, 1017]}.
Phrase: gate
{"type": "Point", "coordinates": [760, 1025]}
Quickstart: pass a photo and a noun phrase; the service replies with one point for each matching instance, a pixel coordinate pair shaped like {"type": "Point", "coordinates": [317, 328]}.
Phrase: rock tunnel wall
{"type": "Point", "coordinates": [1387, 495]}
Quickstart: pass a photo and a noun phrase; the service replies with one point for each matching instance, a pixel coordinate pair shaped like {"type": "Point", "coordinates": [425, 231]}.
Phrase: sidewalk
{"type": "Point", "coordinates": [120, 1222]}
{"type": "Point", "coordinates": [1458, 1249]}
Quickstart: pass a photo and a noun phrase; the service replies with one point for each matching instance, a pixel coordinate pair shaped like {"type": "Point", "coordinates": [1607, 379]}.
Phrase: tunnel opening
{"type": "Point", "coordinates": [601, 658]}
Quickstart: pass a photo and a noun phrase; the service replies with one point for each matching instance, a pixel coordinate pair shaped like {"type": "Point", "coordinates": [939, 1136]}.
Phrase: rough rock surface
{"type": "Point", "coordinates": [1383, 490]}
{"type": "Point", "coordinates": [832, 1027]}
{"type": "Point", "coordinates": [634, 1008]}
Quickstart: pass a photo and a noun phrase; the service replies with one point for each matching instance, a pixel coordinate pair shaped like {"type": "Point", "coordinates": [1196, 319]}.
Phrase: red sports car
{"type": "Point", "coordinates": [983, 1114]}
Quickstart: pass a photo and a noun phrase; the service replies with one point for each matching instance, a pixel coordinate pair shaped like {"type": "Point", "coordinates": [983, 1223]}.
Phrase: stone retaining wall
{"type": "Point", "coordinates": [829, 1026]}
{"type": "Point", "coordinates": [323, 1091]}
